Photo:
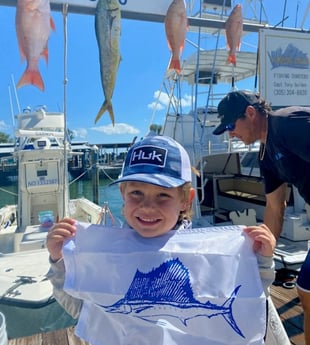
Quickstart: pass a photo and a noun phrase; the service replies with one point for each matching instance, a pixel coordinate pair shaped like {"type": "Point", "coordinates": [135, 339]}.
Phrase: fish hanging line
{"type": "Point", "coordinates": [257, 52]}
{"type": "Point", "coordinates": [232, 77]}
{"type": "Point", "coordinates": [65, 33]}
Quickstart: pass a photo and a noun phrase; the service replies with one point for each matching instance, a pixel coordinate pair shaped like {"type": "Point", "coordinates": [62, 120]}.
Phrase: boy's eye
{"type": "Point", "coordinates": [164, 195]}
{"type": "Point", "coordinates": [135, 192]}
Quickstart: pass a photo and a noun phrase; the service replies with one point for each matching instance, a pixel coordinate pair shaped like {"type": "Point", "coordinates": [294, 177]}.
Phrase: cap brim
{"type": "Point", "coordinates": [156, 179]}
{"type": "Point", "coordinates": [221, 128]}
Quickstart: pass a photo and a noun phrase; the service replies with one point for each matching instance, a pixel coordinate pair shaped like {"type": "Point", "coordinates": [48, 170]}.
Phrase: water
{"type": "Point", "coordinates": [107, 193]}
{"type": "Point", "coordinates": [8, 194]}
{"type": "Point", "coordinates": [3, 333]}
{"type": "Point", "coordinates": [78, 189]}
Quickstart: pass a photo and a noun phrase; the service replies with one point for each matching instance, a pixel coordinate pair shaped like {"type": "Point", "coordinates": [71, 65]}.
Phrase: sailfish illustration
{"type": "Point", "coordinates": [166, 292]}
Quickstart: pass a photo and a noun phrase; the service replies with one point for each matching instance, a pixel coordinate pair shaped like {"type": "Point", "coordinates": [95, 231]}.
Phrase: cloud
{"type": "Point", "coordinates": [3, 126]}
{"type": "Point", "coordinates": [187, 100]}
{"type": "Point", "coordinates": [80, 133]}
{"type": "Point", "coordinates": [119, 128]}
{"type": "Point", "coordinates": [155, 106]}
{"type": "Point", "coordinates": [162, 100]}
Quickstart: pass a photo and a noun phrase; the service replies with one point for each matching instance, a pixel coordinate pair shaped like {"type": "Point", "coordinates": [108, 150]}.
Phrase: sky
{"type": "Point", "coordinates": [144, 60]}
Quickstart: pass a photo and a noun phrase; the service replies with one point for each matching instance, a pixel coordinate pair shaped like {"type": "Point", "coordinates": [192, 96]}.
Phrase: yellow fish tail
{"type": "Point", "coordinates": [106, 106]}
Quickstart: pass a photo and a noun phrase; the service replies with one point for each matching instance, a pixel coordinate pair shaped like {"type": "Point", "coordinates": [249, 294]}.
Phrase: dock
{"type": "Point", "coordinates": [289, 308]}
{"type": "Point", "coordinates": [286, 301]}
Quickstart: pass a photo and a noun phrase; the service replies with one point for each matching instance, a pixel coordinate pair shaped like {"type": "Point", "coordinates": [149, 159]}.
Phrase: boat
{"type": "Point", "coordinates": [230, 189]}
{"type": "Point", "coordinates": [41, 151]}
{"type": "Point", "coordinates": [8, 165]}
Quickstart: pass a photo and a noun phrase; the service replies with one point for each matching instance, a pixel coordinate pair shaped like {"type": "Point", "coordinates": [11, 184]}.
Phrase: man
{"type": "Point", "coordinates": [284, 157]}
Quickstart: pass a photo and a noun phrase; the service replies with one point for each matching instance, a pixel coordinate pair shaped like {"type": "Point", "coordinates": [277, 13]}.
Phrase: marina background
{"type": "Point", "coordinates": [81, 188]}
{"type": "Point", "coordinates": [145, 56]}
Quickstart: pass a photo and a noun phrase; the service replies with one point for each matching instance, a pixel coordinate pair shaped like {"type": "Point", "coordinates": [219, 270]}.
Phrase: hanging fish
{"type": "Point", "coordinates": [233, 28]}
{"type": "Point", "coordinates": [176, 25]}
{"type": "Point", "coordinates": [108, 30]}
{"type": "Point", "coordinates": [33, 23]}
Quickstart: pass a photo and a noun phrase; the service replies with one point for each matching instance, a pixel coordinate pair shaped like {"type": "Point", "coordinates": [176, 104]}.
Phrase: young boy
{"type": "Point", "coordinates": [158, 195]}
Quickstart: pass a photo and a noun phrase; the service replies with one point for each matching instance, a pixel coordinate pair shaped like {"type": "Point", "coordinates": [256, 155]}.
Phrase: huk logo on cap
{"type": "Point", "coordinates": [149, 155]}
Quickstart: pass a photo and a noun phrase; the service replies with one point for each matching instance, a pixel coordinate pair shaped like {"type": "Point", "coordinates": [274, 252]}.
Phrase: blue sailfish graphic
{"type": "Point", "coordinates": [166, 292]}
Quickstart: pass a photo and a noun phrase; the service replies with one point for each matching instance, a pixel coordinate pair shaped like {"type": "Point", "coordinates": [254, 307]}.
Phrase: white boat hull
{"type": "Point", "coordinates": [27, 299]}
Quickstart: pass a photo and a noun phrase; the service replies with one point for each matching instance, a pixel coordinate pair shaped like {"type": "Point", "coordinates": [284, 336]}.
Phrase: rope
{"type": "Point", "coordinates": [77, 178]}
{"type": "Point", "coordinates": [87, 170]}
{"type": "Point", "coordinates": [107, 175]}
{"type": "Point", "coordinates": [7, 191]}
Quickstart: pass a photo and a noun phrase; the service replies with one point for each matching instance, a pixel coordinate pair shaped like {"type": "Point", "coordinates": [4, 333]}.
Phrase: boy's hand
{"type": "Point", "coordinates": [57, 235]}
{"type": "Point", "coordinates": [264, 241]}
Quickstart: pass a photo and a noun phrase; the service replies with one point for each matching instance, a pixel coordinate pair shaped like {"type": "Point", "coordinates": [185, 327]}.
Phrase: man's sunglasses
{"type": "Point", "coordinates": [230, 127]}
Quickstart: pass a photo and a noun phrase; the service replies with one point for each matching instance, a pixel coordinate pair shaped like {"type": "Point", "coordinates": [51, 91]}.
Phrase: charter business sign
{"type": "Point", "coordinates": [285, 67]}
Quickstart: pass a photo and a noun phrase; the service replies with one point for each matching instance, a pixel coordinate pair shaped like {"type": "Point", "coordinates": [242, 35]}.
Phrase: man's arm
{"type": "Point", "coordinates": [274, 210]}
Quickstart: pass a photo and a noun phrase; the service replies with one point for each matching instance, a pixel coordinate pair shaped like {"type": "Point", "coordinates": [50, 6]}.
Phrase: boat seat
{"type": "Point", "coordinates": [246, 188]}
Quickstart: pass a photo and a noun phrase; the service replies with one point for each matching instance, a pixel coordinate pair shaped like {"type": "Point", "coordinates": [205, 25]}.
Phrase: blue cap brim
{"type": "Point", "coordinates": [156, 179]}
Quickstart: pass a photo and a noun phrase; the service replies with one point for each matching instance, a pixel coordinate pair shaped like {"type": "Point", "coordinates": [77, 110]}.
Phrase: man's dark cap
{"type": "Point", "coordinates": [233, 106]}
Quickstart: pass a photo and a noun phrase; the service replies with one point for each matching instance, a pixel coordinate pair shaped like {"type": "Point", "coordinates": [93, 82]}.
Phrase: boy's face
{"type": "Point", "coordinates": [151, 210]}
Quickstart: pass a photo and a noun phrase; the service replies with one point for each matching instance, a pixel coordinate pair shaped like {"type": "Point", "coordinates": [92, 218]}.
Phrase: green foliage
{"type": "Point", "coordinates": [156, 128]}
{"type": "Point", "coordinates": [5, 138]}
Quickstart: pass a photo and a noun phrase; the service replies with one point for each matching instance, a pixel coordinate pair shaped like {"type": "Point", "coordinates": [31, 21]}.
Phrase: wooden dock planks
{"type": "Point", "coordinates": [289, 308]}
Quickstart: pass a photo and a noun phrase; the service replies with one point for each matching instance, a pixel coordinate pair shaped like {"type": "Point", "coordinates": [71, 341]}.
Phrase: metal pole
{"type": "Point", "coordinates": [95, 175]}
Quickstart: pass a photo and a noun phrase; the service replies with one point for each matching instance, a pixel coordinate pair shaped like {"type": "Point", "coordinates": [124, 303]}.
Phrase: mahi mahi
{"type": "Point", "coordinates": [108, 30]}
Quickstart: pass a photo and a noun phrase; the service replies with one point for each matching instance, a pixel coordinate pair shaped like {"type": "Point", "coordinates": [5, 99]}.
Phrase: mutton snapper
{"type": "Point", "coordinates": [33, 23]}
{"type": "Point", "coordinates": [108, 30]}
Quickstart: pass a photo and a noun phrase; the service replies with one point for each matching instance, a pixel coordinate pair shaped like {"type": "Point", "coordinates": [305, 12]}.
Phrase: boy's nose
{"type": "Point", "coordinates": [147, 202]}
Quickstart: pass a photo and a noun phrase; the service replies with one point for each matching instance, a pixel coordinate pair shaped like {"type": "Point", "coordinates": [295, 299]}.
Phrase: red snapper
{"type": "Point", "coordinates": [233, 28]}
{"type": "Point", "coordinates": [33, 26]}
{"type": "Point", "coordinates": [176, 25]}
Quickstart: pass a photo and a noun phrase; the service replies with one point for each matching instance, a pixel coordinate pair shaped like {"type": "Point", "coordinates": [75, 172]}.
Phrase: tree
{"type": "Point", "coordinates": [155, 128]}
{"type": "Point", "coordinates": [5, 138]}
